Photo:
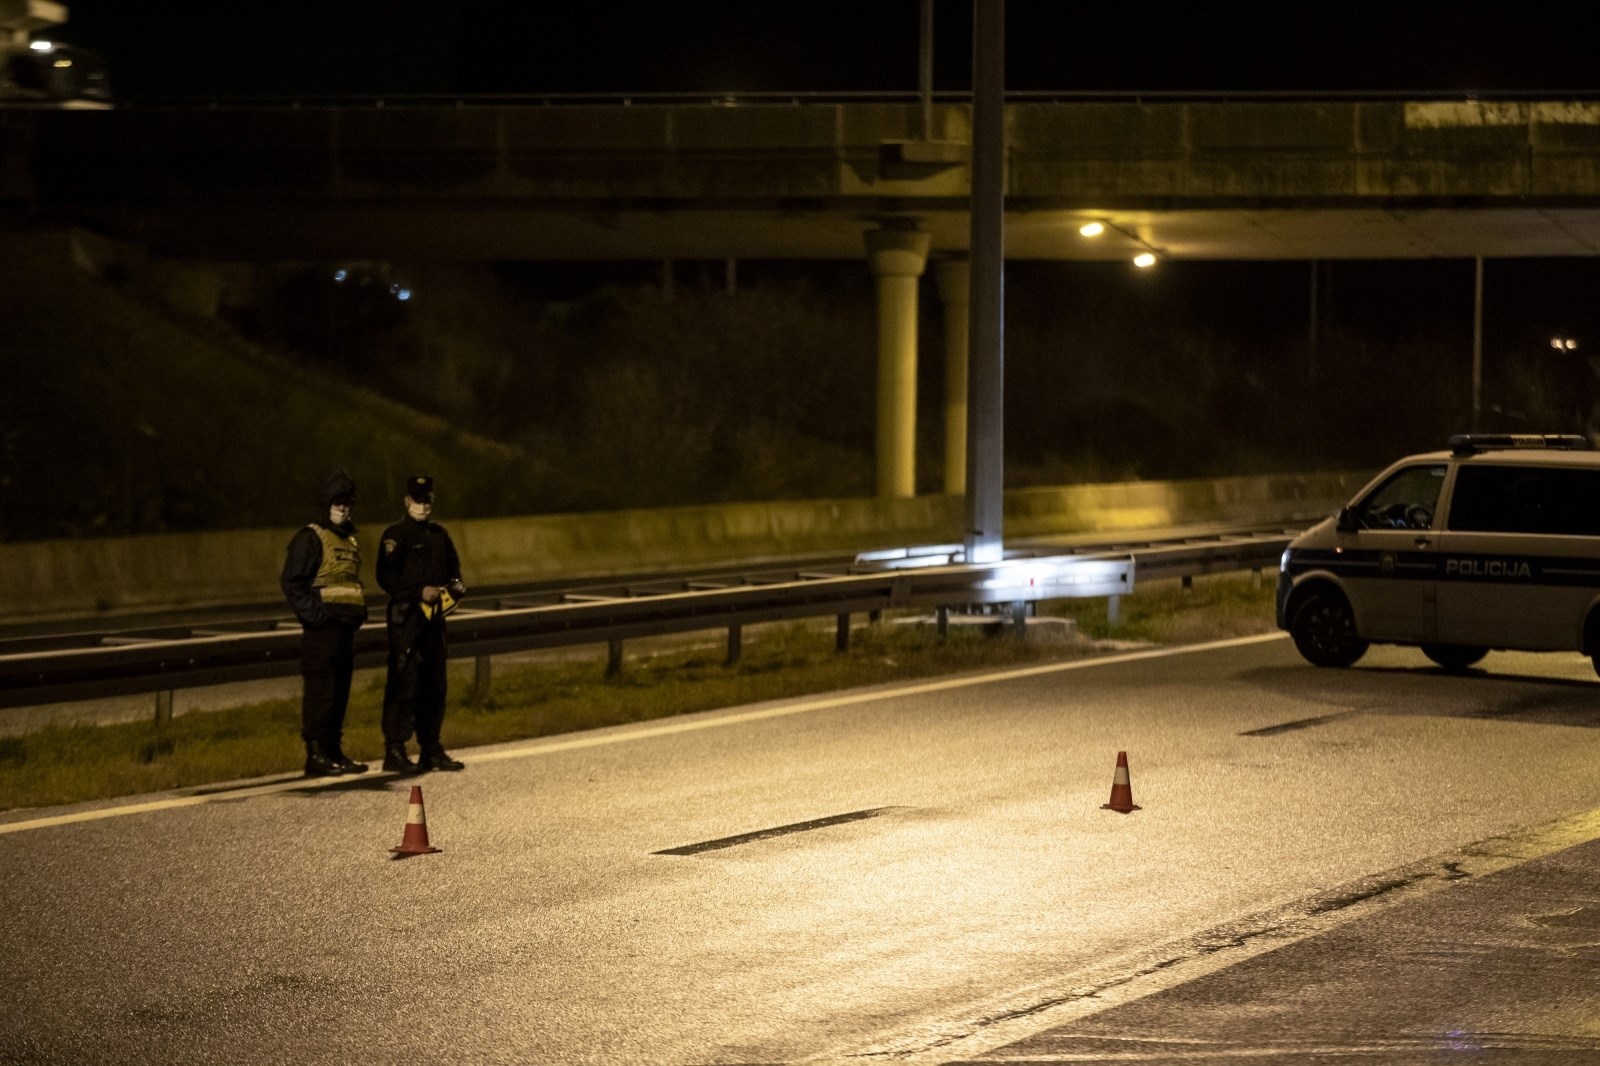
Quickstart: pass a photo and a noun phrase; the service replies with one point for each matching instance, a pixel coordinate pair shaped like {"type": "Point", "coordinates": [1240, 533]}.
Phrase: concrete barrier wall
{"type": "Point", "coordinates": [54, 579]}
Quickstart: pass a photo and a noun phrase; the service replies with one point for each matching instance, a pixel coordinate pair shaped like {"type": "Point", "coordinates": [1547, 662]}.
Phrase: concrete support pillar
{"type": "Point", "coordinates": [954, 279]}
{"type": "Point", "coordinates": [897, 257]}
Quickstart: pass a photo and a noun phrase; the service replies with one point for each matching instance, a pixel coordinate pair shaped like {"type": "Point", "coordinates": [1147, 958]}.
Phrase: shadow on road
{"type": "Point", "coordinates": [1429, 691]}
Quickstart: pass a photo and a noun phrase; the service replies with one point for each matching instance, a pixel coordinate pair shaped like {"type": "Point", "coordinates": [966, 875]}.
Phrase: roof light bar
{"type": "Point", "coordinates": [1472, 443]}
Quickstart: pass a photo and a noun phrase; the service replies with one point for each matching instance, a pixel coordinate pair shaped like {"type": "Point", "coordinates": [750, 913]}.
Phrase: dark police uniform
{"type": "Point", "coordinates": [322, 581]}
{"type": "Point", "coordinates": [415, 555]}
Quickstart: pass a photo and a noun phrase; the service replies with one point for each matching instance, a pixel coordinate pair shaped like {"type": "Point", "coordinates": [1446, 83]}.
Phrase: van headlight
{"type": "Point", "coordinates": [1283, 561]}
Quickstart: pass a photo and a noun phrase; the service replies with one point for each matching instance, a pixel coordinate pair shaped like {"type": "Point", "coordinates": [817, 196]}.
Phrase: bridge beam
{"type": "Point", "coordinates": [897, 256]}
{"type": "Point", "coordinates": [953, 277]}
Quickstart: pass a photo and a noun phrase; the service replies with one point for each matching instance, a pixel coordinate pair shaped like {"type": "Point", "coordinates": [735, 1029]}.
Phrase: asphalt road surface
{"type": "Point", "coordinates": [1383, 864]}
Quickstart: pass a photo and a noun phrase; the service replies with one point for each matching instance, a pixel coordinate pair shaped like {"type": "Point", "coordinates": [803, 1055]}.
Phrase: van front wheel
{"type": "Point", "coordinates": [1454, 657]}
{"type": "Point", "coordinates": [1324, 629]}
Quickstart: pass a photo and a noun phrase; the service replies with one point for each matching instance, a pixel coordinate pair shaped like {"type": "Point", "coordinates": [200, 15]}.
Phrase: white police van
{"type": "Point", "coordinates": [1494, 544]}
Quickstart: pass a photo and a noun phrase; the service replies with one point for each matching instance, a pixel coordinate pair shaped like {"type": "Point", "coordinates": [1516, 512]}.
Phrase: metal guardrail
{"type": "Point", "coordinates": [380, 101]}
{"type": "Point", "coordinates": [160, 661]}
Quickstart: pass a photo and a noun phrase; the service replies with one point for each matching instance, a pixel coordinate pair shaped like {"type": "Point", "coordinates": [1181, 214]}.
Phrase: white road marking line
{"type": "Point", "coordinates": [699, 720]}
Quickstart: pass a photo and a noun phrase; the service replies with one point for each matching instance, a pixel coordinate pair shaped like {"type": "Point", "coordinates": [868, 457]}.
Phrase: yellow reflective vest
{"type": "Point", "coordinates": [338, 579]}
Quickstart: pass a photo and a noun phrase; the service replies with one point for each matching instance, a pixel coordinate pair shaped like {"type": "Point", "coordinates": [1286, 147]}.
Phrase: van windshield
{"type": "Point", "coordinates": [1405, 501]}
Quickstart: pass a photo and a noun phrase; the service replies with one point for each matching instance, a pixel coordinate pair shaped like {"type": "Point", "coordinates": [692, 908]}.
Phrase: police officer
{"type": "Point", "coordinates": [322, 582]}
{"type": "Point", "coordinates": [420, 571]}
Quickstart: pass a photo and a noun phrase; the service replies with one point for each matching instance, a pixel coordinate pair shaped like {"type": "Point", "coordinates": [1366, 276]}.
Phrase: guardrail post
{"type": "Point", "coordinates": [943, 615]}
{"type": "Point", "coordinates": [480, 678]}
{"type": "Point", "coordinates": [1188, 582]}
{"type": "Point", "coordinates": [1255, 578]}
{"type": "Point", "coordinates": [1019, 619]}
{"type": "Point", "coordinates": [164, 707]}
{"type": "Point", "coordinates": [735, 644]}
{"type": "Point", "coordinates": [1113, 609]}
{"type": "Point", "coordinates": [613, 658]}
{"type": "Point", "coordinates": [841, 634]}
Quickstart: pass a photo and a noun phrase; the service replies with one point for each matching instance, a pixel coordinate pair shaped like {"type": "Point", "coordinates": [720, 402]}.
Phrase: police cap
{"type": "Point", "coordinates": [420, 488]}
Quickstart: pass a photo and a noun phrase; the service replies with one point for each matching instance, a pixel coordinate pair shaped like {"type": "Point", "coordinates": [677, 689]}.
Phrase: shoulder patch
{"type": "Point", "coordinates": [389, 546]}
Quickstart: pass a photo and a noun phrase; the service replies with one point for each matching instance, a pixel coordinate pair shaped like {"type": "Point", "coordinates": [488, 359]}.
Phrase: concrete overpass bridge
{"type": "Point", "coordinates": [802, 177]}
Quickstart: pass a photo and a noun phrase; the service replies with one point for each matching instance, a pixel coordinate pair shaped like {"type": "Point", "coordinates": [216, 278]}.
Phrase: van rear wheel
{"type": "Point", "coordinates": [1454, 657]}
{"type": "Point", "coordinates": [1324, 630]}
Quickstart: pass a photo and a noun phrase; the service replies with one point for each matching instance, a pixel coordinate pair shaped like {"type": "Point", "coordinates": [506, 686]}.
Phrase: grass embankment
{"type": "Point", "coordinates": [121, 418]}
{"type": "Point", "coordinates": [84, 762]}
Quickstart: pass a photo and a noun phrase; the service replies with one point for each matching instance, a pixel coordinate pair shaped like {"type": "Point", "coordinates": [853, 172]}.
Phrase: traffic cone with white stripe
{"type": "Point", "coordinates": [415, 841]}
{"type": "Point", "coordinates": [1121, 789]}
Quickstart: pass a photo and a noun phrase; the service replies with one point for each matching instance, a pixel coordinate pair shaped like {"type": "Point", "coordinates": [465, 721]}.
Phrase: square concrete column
{"type": "Point", "coordinates": [954, 279]}
{"type": "Point", "coordinates": [897, 257]}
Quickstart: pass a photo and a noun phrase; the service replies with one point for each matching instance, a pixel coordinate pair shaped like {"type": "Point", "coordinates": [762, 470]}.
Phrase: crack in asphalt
{"type": "Point", "coordinates": [1340, 902]}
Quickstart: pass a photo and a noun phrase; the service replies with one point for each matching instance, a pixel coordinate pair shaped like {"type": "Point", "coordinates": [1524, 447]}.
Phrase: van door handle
{"type": "Point", "coordinates": [1423, 542]}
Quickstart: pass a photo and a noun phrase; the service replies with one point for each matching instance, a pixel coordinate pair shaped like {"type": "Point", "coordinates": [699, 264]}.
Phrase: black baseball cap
{"type": "Point", "coordinates": [420, 488]}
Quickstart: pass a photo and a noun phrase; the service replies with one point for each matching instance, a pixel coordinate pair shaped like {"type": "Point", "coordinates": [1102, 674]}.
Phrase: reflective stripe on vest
{"type": "Point", "coordinates": [338, 578]}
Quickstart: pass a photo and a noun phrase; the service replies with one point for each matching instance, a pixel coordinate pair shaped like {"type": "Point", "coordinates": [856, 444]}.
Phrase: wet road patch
{"type": "Point", "coordinates": [777, 831]}
{"type": "Point", "coordinates": [1288, 727]}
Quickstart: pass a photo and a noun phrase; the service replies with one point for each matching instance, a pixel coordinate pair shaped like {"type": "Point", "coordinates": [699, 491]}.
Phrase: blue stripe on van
{"type": "Point", "coordinates": [1563, 570]}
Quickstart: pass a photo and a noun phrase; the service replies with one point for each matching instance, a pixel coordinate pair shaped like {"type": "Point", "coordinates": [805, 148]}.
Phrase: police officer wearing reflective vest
{"type": "Point", "coordinates": [322, 582]}
{"type": "Point", "coordinates": [419, 569]}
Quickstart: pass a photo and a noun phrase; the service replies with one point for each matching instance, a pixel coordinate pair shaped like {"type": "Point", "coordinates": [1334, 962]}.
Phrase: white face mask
{"type": "Point", "coordinates": [418, 511]}
{"type": "Point", "coordinates": [339, 514]}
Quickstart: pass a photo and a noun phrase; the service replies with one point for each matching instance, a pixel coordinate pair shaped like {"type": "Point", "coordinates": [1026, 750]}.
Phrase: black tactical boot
{"type": "Point", "coordinates": [319, 763]}
{"type": "Point", "coordinates": [346, 764]}
{"type": "Point", "coordinates": [395, 759]}
{"type": "Point", "coordinates": [434, 757]}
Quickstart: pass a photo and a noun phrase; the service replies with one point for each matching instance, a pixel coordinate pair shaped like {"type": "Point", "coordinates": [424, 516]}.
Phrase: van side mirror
{"type": "Point", "coordinates": [1348, 522]}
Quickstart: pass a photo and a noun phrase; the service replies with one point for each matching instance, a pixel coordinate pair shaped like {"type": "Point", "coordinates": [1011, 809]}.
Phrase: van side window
{"type": "Point", "coordinates": [1527, 499]}
{"type": "Point", "coordinates": [1405, 501]}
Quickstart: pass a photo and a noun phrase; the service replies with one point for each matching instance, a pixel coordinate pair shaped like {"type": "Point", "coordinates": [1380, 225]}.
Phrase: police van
{"type": "Point", "coordinates": [1493, 544]}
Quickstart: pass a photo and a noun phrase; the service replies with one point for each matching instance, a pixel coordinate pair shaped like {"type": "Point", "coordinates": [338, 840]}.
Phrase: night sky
{"type": "Point", "coordinates": [329, 47]}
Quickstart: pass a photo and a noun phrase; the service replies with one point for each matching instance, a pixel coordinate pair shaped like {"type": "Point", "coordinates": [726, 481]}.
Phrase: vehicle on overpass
{"type": "Point", "coordinates": [38, 72]}
{"type": "Point", "coordinates": [1491, 545]}
{"type": "Point", "coordinates": [60, 76]}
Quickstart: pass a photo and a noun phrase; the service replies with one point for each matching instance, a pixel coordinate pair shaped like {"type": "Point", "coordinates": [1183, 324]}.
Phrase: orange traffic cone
{"type": "Point", "coordinates": [415, 841]}
{"type": "Point", "coordinates": [1121, 789]}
